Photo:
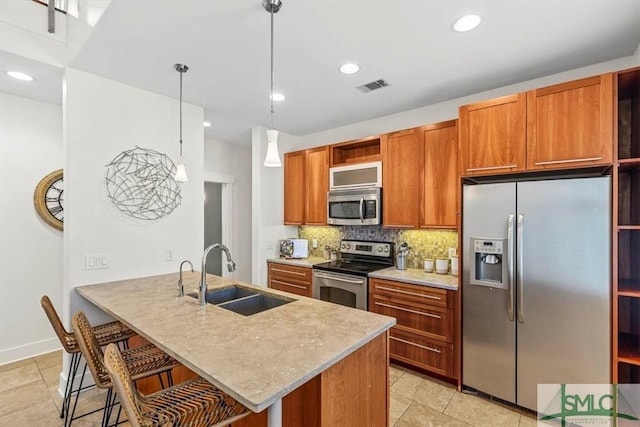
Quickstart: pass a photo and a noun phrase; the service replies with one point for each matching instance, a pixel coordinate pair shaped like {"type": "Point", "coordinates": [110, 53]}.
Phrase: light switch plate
{"type": "Point", "coordinates": [314, 243]}
{"type": "Point", "coordinates": [452, 252]}
{"type": "Point", "coordinates": [269, 245]}
{"type": "Point", "coordinates": [96, 261]}
{"type": "Point", "coordinates": [168, 254]}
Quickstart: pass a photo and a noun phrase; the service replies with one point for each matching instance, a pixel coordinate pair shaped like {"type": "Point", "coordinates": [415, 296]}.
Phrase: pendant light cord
{"type": "Point", "coordinates": [181, 73]}
{"type": "Point", "coordinates": [271, 94]}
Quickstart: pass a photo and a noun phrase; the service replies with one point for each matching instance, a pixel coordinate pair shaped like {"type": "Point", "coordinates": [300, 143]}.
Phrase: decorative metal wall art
{"type": "Point", "coordinates": [140, 183]}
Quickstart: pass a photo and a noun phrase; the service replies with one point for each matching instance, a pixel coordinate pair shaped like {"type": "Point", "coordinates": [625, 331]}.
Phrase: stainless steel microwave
{"type": "Point", "coordinates": [354, 207]}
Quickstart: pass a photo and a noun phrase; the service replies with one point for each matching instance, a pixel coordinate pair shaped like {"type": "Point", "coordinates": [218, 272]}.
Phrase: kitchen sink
{"type": "Point", "coordinates": [254, 304]}
{"type": "Point", "coordinates": [241, 300]}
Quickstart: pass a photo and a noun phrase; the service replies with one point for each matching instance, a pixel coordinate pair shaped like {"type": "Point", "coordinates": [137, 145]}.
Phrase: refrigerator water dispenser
{"type": "Point", "coordinates": [488, 263]}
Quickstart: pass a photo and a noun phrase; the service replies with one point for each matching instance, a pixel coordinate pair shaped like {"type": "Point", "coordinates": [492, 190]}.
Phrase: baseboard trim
{"type": "Point", "coordinates": [15, 354]}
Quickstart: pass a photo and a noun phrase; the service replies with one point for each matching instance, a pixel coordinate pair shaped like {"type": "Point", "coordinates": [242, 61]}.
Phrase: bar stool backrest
{"type": "Point", "coordinates": [125, 387]}
{"type": "Point", "coordinates": [67, 339]}
{"type": "Point", "coordinates": [90, 349]}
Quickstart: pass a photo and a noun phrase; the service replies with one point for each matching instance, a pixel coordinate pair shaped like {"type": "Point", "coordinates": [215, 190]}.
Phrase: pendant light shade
{"type": "Point", "coordinates": [273, 158]}
{"type": "Point", "coordinates": [181, 171]}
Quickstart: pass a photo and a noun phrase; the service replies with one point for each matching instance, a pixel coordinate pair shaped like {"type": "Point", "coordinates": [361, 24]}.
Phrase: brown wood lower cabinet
{"type": "Point", "coordinates": [290, 278]}
{"type": "Point", "coordinates": [425, 333]}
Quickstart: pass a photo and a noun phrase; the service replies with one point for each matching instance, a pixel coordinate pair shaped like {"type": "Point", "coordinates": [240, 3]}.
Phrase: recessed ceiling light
{"type": "Point", "coordinates": [20, 76]}
{"type": "Point", "coordinates": [207, 124]}
{"type": "Point", "coordinates": [349, 68]}
{"type": "Point", "coordinates": [277, 96]}
{"type": "Point", "coordinates": [467, 23]}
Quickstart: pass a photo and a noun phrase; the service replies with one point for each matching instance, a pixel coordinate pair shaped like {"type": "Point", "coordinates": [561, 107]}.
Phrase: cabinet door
{"type": "Point", "coordinates": [492, 136]}
{"type": "Point", "coordinates": [570, 124]}
{"type": "Point", "coordinates": [317, 185]}
{"type": "Point", "coordinates": [439, 203]}
{"type": "Point", "coordinates": [294, 187]}
{"type": "Point", "coordinates": [401, 176]}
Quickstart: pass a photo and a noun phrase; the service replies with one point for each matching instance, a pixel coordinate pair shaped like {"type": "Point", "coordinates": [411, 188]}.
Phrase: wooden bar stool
{"type": "Point", "coordinates": [142, 362]}
{"type": "Point", "coordinates": [193, 403]}
{"type": "Point", "coordinates": [113, 332]}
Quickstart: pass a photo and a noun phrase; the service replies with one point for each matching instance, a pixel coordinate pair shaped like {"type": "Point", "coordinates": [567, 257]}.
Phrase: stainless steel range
{"type": "Point", "coordinates": [344, 281]}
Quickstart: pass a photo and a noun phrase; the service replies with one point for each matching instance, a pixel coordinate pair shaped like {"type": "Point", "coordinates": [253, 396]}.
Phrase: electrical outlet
{"type": "Point", "coordinates": [269, 245]}
{"type": "Point", "coordinates": [168, 254]}
{"type": "Point", "coordinates": [314, 243]}
{"type": "Point", "coordinates": [452, 252]}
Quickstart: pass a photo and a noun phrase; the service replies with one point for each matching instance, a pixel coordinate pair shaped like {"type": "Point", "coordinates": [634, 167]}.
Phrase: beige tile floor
{"type": "Point", "coordinates": [29, 397]}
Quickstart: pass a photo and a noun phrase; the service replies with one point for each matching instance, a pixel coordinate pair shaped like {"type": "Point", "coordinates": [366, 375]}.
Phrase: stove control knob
{"type": "Point", "coordinates": [380, 249]}
{"type": "Point", "coordinates": [386, 249]}
{"type": "Point", "coordinates": [348, 246]}
{"type": "Point", "coordinates": [343, 246]}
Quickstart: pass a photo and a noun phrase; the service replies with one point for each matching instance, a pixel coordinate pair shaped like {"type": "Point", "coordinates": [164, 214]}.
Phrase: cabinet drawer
{"type": "Point", "coordinates": [290, 271]}
{"type": "Point", "coordinates": [289, 278]}
{"type": "Point", "coordinates": [416, 293]}
{"type": "Point", "coordinates": [421, 352]}
{"type": "Point", "coordinates": [430, 321]}
{"type": "Point", "coordinates": [288, 286]}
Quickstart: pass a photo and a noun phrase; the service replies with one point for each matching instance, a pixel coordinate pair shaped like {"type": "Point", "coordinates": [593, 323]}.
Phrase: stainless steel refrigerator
{"type": "Point", "coordinates": [536, 285]}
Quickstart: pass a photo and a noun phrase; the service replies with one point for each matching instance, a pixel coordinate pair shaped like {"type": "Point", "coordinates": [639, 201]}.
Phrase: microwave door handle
{"type": "Point", "coordinates": [361, 209]}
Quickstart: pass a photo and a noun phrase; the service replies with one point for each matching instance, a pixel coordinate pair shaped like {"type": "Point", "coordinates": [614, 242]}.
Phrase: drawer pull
{"type": "Point", "coordinates": [288, 284]}
{"type": "Point", "coordinates": [555, 162]}
{"type": "Point", "coordinates": [492, 167]}
{"type": "Point", "coordinates": [384, 288]}
{"type": "Point", "coordinates": [424, 347]}
{"type": "Point", "coordinates": [435, 316]}
{"type": "Point", "coordinates": [288, 271]}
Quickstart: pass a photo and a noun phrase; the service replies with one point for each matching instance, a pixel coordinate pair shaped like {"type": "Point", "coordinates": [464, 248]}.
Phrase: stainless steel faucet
{"type": "Point", "coordinates": [180, 287]}
{"type": "Point", "coordinates": [231, 266]}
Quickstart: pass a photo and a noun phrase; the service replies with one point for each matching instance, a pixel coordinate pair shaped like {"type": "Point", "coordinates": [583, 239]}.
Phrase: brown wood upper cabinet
{"type": "Point", "coordinates": [306, 182]}
{"type": "Point", "coordinates": [401, 178]}
{"type": "Point", "coordinates": [439, 198]}
{"type": "Point", "coordinates": [420, 177]}
{"type": "Point", "coordinates": [492, 136]}
{"type": "Point", "coordinates": [562, 126]}
{"type": "Point", "coordinates": [570, 124]}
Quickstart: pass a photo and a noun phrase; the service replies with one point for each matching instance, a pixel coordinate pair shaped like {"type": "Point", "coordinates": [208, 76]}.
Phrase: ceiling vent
{"type": "Point", "coordinates": [368, 87]}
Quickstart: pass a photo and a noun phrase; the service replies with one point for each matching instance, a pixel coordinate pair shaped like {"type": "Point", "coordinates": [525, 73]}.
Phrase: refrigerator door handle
{"type": "Point", "coordinates": [520, 268]}
{"type": "Point", "coordinates": [511, 272]}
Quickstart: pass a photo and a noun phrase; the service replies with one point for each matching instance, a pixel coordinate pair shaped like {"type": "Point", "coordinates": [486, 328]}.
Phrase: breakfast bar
{"type": "Point", "coordinates": [324, 363]}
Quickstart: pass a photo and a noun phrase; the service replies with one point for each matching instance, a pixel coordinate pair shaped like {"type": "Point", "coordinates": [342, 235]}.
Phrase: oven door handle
{"type": "Point", "coordinates": [339, 279]}
{"type": "Point", "coordinates": [361, 209]}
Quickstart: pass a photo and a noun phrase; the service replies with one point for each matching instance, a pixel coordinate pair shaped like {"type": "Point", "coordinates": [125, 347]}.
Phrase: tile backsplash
{"type": "Point", "coordinates": [423, 243]}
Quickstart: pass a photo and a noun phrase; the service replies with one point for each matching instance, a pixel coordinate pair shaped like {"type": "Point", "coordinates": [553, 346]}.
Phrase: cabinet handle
{"type": "Point", "coordinates": [424, 347]}
{"type": "Point", "coordinates": [288, 284]}
{"type": "Point", "coordinates": [384, 288]}
{"type": "Point", "coordinates": [492, 167]}
{"type": "Point", "coordinates": [435, 316]}
{"type": "Point", "coordinates": [288, 271]}
{"type": "Point", "coordinates": [555, 162]}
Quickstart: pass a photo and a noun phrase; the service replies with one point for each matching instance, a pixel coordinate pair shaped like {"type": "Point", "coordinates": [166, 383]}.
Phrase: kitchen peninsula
{"type": "Point", "coordinates": [328, 363]}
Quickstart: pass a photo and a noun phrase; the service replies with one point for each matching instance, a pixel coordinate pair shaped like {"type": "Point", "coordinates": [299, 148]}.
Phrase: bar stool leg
{"type": "Point", "coordinates": [73, 369]}
{"type": "Point", "coordinates": [69, 419]}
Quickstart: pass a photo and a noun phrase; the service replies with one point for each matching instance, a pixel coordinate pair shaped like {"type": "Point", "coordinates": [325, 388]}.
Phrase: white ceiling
{"type": "Point", "coordinates": [407, 42]}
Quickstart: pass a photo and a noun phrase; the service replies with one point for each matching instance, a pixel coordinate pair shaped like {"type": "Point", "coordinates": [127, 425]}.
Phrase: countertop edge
{"type": "Point", "coordinates": [380, 274]}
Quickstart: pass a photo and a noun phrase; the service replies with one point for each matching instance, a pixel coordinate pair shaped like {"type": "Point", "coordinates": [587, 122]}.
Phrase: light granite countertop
{"type": "Point", "coordinates": [417, 276]}
{"type": "Point", "coordinates": [256, 359]}
{"type": "Point", "coordinates": [299, 262]}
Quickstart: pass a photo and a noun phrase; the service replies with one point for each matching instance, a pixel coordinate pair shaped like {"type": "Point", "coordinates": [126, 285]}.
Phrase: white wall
{"type": "Point", "coordinates": [30, 250]}
{"type": "Point", "coordinates": [102, 118]}
{"type": "Point", "coordinates": [234, 161]}
{"type": "Point", "coordinates": [267, 205]}
{"type": "Point", "coordinates": [24, 32]}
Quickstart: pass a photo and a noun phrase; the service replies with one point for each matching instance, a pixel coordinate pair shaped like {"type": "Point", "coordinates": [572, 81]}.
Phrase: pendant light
{"type": "Point", "coordinates": [272, 159]}
{"type": "Point", "coordinates": [181, 172]}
